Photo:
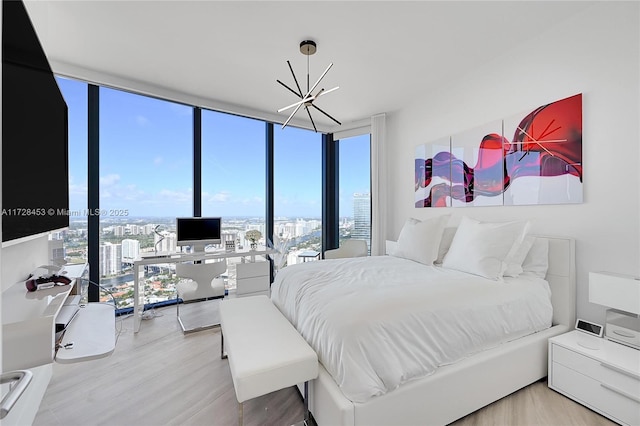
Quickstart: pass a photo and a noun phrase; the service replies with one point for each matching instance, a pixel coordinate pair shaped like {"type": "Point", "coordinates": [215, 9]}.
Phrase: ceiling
{"type": "Point", "coordinates": [228, 55]}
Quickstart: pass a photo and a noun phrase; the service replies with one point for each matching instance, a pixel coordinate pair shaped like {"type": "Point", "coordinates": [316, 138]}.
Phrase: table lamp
{"type": "Point", "coordinates": [621, 294]}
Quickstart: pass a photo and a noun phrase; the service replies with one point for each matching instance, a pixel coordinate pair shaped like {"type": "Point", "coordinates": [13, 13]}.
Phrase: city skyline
{"type": "Point", "coordinates": [146, 160]}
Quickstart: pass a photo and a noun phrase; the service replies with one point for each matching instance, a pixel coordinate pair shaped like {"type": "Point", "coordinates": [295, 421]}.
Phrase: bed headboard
{"type": "Point", "coordinates": [562, 279]}
{"type": "Point", "coordinates": [561, 276]}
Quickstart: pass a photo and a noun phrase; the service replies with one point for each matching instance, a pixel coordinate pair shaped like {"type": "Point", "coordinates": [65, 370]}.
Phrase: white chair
{"type": "Point", "coordinates": [204, 283]}
{"type": "Point", "coordinates": [349, 248]}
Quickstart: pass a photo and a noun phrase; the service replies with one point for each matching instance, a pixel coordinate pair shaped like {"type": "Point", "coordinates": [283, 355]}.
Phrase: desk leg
{"type": "Point", "coordinates": [306, 403]}
{"type": "Point", "coordinates": [137, 310]}
{"type": "Point", "coordinates": [240, 414]}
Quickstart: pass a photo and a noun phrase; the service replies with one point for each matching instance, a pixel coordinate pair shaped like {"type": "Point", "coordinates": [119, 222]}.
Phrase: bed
{"type": "Point", "coordinates": [455, 387]}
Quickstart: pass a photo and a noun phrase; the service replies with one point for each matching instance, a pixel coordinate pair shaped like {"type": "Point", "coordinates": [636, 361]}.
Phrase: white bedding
{"type": "Point", "coordinates": [377, 322]}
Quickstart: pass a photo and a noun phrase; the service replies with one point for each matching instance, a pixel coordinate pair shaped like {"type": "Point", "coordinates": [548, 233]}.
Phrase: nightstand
{"type": "Point", "coordinates": [600, 374]}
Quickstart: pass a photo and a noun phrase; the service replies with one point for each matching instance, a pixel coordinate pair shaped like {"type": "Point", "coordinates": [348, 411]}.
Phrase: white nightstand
{"type": "Point", "coordinates": [602, 375]}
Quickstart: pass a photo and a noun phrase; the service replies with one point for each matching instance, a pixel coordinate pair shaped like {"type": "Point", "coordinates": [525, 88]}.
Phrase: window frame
{"type": "Point", "coordinates": [330, 176]}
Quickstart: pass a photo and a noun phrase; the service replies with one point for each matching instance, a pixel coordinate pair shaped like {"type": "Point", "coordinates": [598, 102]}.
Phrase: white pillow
{"type": "Point", "coordinates": [514, 262]}
{"type": "Point", "coordinates": [419, 240]}
{"type": "Point", "coordinates": [481, 248]}
{"type": "Point", "coordinates": [537, 260]}
{"type": "Point", "coordinates": [445, 243]}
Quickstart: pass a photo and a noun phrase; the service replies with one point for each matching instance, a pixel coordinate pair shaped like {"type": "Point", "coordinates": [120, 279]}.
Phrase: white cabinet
{"type": "Point", "coordinates": [253, 278]}
{"type": "Point", "coordinates": [29, 328]}
{"type": "Point", "coordinates": [600, 374]}
{"type": "Point", "coordinates": [29, 337]}
{"type": "Point", "coordinates": [28, 325]}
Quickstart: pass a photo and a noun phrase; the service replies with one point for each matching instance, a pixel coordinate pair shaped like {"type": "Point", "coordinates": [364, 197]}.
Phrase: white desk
{"type": "Point", "coordinates": [138, 288]}
{"type": "Point", "coordinates": [29, 323]}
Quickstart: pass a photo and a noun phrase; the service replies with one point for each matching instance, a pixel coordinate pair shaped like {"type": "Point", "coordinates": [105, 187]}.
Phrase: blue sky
{"type": "Point", "coordinates": [146, 160]}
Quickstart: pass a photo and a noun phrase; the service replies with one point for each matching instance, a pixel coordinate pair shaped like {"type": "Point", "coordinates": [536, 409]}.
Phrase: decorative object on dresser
{"type": "Point", "coordinates": [254, 236]}
{"type": "Point", "coordinates": [602, 375]}
{"type": "Point", "coordinates": [621, 294]}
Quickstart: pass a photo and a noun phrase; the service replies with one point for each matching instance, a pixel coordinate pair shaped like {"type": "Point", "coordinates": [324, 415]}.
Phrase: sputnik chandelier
{"type": "Point", "coordinates": [308, 48]}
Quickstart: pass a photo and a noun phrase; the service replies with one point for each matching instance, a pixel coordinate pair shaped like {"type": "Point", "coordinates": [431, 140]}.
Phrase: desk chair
{"type": "Point", "coordinates": [204, 283]}
{"type": "Point", "coordinates": [349, 248]}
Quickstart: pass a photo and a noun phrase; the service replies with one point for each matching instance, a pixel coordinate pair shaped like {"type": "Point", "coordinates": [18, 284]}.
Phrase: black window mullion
{"type": "Point", "coordinates": [93, 189]}
{"type": "Point", "coordinates": [197, 162]}
{"type": "Point", "coordinates": [330, 196]}
{"type": "Point", "coordinates": [269, 195]}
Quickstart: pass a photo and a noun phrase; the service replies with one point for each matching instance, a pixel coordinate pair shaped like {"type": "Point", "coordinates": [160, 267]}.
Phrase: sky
{"type": "Point", "coordinates": [146, 160]}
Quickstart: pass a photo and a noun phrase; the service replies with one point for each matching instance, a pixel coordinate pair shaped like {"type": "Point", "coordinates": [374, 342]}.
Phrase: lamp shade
{"type": "Point", "coordinates": [616, 291]}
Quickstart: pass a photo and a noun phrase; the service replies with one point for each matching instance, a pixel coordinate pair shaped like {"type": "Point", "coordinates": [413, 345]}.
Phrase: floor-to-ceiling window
{"type": "Point", "coordinates": [146, 181]}
{"type": "Point", "coordinates": [75, 238]}
{"type": "Point", "coordinates": [298, 191]}
{"type": "Point", "coordinates": [355, 187]}
{"type": "Point", "coordinates": [233, 177]}
{"type": "Point", "coordinates": [146, 175]}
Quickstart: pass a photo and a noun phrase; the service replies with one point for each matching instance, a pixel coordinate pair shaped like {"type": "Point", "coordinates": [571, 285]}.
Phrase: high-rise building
{"type": "Point", "coordinates": [168, 243]}
{"type": "Point", "coordinates": [130, 250]}
{"type": "Point", "coordinates": [110, 258]}
{"type": "Point", "coordinates": [118, 231]}
{"type": "Point", "coordinates": [132, 229]}
{"type": "Point", "coordinates": [362, 217]}
{"type": "Point", "coordinates": [56, 252]}
{"type": "Point", "coordinates": [148, 228]}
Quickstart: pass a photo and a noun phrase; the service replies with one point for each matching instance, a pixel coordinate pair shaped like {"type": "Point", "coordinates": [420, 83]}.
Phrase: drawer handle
{"type": "Point", "coordinates": [21, 379]}
{"type": "Point", "coordinates": [623, 334]}
{"type": "Point", "coordinates": [621, 371]}
{"type": "Point", "coordinates": [620, 392]}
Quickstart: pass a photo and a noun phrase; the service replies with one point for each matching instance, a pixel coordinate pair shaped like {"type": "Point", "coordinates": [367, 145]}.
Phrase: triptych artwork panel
{"type": "Point", "coordinates": [530, 158]}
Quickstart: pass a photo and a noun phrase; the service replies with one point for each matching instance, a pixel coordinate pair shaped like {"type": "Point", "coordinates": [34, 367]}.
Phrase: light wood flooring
{"type": "Point", "coordinates": [161, 376]}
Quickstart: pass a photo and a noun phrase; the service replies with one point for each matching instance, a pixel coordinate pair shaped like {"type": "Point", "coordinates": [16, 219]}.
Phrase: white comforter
{"type": "Point", "coordinates": [377, 322]}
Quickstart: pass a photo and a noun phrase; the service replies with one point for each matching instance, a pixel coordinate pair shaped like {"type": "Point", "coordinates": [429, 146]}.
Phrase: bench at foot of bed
{"type": "Point", "coordinates": [266, 353]}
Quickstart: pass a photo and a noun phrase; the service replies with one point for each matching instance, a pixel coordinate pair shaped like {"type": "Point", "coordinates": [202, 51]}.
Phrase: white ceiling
{"type": "Point", "coordinates": [229, 54]}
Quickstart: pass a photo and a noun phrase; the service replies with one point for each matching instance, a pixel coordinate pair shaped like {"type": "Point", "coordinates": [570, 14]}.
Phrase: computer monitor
{"type": "Point", "coordinates": [198, 232]}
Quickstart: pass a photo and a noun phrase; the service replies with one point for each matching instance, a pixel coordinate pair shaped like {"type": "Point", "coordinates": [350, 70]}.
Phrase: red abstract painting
{"type": "Point", "coordinates": [535, 158]}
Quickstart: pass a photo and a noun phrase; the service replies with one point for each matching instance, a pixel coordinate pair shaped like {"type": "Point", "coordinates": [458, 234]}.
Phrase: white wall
{"type": "Point", "coordinates": [596, 53]}
{"type": "Point", "coordinates": [19, 260]}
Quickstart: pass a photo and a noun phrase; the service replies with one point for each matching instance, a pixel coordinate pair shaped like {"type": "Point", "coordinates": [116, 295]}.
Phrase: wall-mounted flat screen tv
{"type": "Point", "coordinates": [35, 169]}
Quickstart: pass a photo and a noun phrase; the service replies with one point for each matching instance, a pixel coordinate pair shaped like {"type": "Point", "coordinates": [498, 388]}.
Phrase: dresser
{"type": "Point", "coordinates": [600, 374]}
{"type": "Point", "coordinates": [253, 278]}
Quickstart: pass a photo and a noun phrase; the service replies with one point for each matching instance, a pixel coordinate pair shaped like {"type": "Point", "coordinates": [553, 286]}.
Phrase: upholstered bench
{"type": "Point", "coordinates": [266, 353]}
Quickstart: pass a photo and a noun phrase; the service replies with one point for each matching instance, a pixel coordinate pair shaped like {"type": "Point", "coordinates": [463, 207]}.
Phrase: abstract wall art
{"type": "Point", "coordinates": [530, 158]}
{"type": "Point", "coordinates": [433, 174]}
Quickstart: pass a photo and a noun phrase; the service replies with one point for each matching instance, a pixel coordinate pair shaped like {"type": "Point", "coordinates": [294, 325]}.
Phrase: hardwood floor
{"type": "Point", "coordinates": [160, 376]}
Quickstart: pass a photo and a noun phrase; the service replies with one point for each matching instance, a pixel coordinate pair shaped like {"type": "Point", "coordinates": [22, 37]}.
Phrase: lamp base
{"type": "Point", "coordinates": [623, 327]}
